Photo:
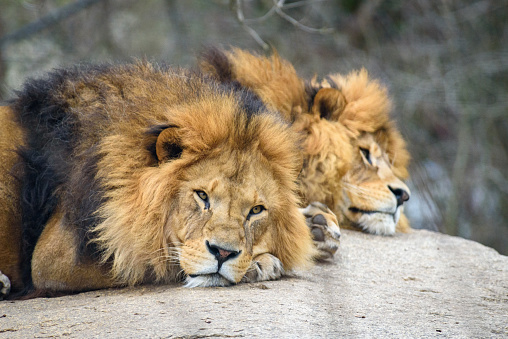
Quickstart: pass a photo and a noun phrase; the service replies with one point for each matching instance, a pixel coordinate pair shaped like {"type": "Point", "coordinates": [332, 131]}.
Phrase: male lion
{"type": "Point", "coordinates": [140, 173]}
{"type": "Point", "coordinates": [354, 157]}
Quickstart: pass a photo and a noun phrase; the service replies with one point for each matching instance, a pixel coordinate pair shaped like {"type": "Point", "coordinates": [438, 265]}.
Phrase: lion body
{"type": "Point", "coordinates": [137, 173]}
{"type": "Point", "coordinates": [341, 119]}
{"type": "Point", "coordinates": [10, 214]}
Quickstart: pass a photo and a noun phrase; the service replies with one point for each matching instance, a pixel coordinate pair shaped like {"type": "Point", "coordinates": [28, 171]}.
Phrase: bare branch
{"type": "Point", "coordinates": [46, 21]}
{"type": "Point", "coordinates": [272, 10]}
{"type": "Point", "coordinates": [239, 11]}
{"type": "Point", "coordinates": [241, 18]}
{"type": "Point", "coordinates": [262, 18]}
{"type": "Point", "coordinates": [278, 9]}
{"type": "Point", "coordinates": [256, 37]}
{"type": "Point", "coordinates": [301, 3]}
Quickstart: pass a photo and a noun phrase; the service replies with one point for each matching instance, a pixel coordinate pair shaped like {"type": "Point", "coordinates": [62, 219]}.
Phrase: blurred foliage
{"type": "Point", "coordinates": [445, 63]}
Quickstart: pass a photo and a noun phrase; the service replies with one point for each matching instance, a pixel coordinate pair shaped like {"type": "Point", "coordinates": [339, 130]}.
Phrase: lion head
{"type": "Point", "coordinates": [234, 200]}
{"type": "Point", "coordinates": [371, 193]}
{"type": "Point", "coordinates": [354, 157]}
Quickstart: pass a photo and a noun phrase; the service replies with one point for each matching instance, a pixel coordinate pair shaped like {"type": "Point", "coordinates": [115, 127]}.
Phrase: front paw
{"type": "Point", "coordinates": [5, 286]}
{"type": "Point", "coordinates": [324, 227]}
{"type": "Point", "coordinates": [264, 267]}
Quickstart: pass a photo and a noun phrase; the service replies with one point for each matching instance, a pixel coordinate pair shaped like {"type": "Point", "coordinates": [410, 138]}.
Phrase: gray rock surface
{"type": "Point", "coordinates": [422, 284]}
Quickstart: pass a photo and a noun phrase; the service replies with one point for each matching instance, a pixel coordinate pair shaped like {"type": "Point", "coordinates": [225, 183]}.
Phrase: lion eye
{"type": "Point", "coordinates": [366, 154]}
{"type": "Point", "coordinates": [256, 210]}
{"type": "Point", "coordinates": [203, 196]}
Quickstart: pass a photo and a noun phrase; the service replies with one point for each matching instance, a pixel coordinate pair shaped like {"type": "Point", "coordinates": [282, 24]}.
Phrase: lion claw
{"type": "Point", "coordinates": [264, 267]}
{"type": "Point", "coordinates": [324, 228]}
{"type": "Point", "coordinates": [5, 286]}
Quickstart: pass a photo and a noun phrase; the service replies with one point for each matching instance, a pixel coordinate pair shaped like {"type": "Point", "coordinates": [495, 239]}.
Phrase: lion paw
{"type": "Point", "coordinates": [264, 267]}
{"type": "Point", "coordinates": [5, 286]}
{"type": "Point", "coordinates": [324, 227]}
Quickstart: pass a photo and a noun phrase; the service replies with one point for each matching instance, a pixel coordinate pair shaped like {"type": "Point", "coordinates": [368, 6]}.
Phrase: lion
{"type": "Point", "coordinates": [355, 159]}
{"type": "Point", "coordinates": [119, 175]}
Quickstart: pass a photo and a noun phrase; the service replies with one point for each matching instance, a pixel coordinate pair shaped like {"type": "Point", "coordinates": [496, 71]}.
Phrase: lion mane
{"type": "Point", "coordinates": [354, 156]}
{"type": "Point", "coordinates": [141, 173]}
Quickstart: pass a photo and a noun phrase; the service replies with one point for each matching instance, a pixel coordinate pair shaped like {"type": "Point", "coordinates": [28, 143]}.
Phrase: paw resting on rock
{"type": "Point", "coordinates": [264, 267]}
{"type": "Point", "coordinates": [324, 227]}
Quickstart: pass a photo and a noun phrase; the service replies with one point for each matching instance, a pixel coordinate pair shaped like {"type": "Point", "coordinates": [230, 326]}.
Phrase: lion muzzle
{"type": "Point", "coordinates": [401, 195]}
{"type": "Point", "coordinates": [221, 254]}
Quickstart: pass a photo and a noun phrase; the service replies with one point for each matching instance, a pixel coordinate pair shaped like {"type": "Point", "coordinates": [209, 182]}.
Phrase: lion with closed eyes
{"type": "Point", "coordinates": [140, 173]}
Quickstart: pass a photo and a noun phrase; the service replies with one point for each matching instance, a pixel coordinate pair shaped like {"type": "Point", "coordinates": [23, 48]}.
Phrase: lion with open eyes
{"type": "Point", "coordinates": [354, 157]}
{"type": "Point", "coordinates": [140, 173]}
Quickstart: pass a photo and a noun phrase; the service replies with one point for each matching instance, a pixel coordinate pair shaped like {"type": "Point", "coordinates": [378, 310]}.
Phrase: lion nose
{"type": "Point", "coordinates": [400, 194]}
{"type": "Point", "coordinates": [222, 255]}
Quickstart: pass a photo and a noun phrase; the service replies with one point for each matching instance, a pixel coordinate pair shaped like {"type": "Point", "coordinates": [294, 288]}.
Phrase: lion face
{"type": "Point", "coordinates": [373, 193]}
{"type": "Point", "coordinates": [373, 196]}
{"type": "Point", "coordinates": [225, 218]}
{"type": "Point", "coordinates": [225, 194]}
{"type": "Point", "coordinates": [355, 158]}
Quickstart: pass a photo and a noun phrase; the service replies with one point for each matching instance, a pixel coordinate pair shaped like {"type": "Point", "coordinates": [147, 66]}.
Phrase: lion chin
{"type": "Point", "coordinates": [374, 222]}
{"type": "Point", "coordinates": [207, 280]}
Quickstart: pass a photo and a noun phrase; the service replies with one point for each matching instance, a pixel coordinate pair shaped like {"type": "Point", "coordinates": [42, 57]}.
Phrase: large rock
{"type": "Point", "coordinates": [417, 285]}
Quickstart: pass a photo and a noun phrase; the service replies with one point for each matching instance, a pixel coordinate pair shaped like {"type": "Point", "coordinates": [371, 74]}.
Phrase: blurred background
{"type": "Point", "coordinates": [445, 63]}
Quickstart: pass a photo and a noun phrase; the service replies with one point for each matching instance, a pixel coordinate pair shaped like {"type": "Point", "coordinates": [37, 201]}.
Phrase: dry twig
{"type": "Point", "coordinates": [46, 21]}
{"type": "Point", "coordinates": [277, 8]}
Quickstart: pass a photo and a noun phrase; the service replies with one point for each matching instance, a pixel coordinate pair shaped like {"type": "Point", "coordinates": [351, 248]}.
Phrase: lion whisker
{"type": "Point", "coordinates": [158, 250]}
{"type": "Point", "coordinates": [171, 261]}
{"type": "Point", "coordinates": [356, 189]}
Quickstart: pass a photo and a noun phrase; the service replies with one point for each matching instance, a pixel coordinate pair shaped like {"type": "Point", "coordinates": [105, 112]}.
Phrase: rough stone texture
{"type": "Point", "coordinates": [422, 284]}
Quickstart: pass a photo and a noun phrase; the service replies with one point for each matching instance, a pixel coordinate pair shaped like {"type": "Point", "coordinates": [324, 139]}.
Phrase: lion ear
{"type": "Point", "coordinates": [168, 144]}
{"type": "Point", "coordinates": [328, 104]}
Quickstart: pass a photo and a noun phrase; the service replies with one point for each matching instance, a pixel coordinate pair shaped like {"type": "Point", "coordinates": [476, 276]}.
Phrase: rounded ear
{"type": "Point", "coordinates": [329, 103]}
{"type": "Point", "coordinates": [168, 145]}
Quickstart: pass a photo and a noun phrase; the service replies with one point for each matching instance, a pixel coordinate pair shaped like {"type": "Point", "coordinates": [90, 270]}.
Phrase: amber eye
{"type": "Point", "coordinates": [256, 210]}
{"type": "Point", "coordinates": [202, 195]}
{"type": "Point", "coordinates": [366, 154]}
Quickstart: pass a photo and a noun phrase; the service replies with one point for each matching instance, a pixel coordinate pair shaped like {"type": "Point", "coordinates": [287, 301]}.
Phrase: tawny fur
{"type": "Point", "coordinates": [333, 115]}
{"type": "Point", "coordinates": [150, 223]}
{"type": "Point", "coordinates": [10, 218]}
